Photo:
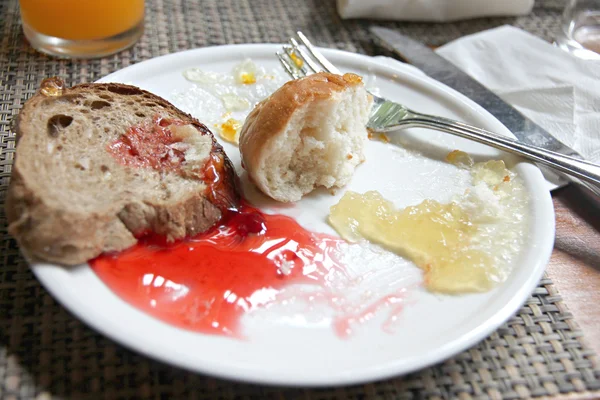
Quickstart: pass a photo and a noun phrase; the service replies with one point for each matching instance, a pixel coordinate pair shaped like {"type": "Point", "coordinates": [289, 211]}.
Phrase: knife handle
{"type": "Point", "coordinates": [586, 172]}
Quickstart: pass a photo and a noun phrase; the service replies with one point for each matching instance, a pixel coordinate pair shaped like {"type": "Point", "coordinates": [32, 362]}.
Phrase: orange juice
{"type": "Point", "coordinates": [82, 19]}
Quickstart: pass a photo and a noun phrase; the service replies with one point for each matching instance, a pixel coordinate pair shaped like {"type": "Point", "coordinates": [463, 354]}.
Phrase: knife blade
{"type": "Point", "coordinates": [444, 71]}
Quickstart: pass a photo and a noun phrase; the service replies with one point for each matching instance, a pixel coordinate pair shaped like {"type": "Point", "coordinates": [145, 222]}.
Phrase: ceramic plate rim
{"type": "Point", "coordinates": [49, 275]}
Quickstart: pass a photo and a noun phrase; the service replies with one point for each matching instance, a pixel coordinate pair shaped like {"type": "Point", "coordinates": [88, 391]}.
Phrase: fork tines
{"type": "Point", "coordinates": [301, 60]}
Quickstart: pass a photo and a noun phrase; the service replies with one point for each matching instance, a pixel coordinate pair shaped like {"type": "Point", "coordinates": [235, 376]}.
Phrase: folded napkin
{"type": "Point", "coordinates": [431, 10]}
{"type": "Point", "coordinates": [553, 88]}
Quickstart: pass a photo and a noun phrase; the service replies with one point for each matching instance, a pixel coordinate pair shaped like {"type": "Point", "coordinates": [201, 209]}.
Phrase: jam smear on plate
{"type": "Point", "coordinates": [208, 282]}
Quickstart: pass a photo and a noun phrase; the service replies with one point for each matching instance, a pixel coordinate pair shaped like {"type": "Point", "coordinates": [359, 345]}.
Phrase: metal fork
{"type": "Point", "coordinates": [387, 116]}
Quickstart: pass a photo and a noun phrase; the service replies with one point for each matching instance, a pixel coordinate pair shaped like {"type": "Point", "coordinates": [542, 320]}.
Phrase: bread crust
{"type": "Point", "coordinates": [50, 230]}
{"type": "Point", "coordinates": [270, 117]}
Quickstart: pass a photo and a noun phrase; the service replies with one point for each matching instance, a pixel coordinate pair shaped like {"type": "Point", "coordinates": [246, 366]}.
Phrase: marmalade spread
{"type": "Point", "coordinates": [462, 246]}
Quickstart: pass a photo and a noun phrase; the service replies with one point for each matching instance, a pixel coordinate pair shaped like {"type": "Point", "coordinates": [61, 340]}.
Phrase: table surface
{"type": "Point", "coordinates": [575, 264]}
{"type": "Point", "coordinates": [45, 352]}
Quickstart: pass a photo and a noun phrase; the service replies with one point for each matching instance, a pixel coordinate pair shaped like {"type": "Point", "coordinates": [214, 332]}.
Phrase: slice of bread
{"type": "Point", "coordinates": [309, 133]}
{"type": "Point", "coordinates": [99, 165]}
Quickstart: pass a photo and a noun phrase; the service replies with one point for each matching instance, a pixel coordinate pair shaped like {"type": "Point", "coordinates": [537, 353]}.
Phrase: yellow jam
{"type": "Point", "coordinates": [460, 159]}
{"type": "Point", "coordinates": [229, 130]}
{"type": "Point", "coordinates": [352, 78]}
{"type": "Point", "coordinates": [459, 246]}
{"type": "Point", "coordinates": [52, 87]}
{"type": "Point", "coordinates": [493, 173]}
{"type": "Point", "coordinates": [434, 236]}
{"type": "Point", "coordinates": [248, 78]}
{"type": "Point", "coordinates": [297, 60]}
{"type": "Point", "coordinates": [245, 72]}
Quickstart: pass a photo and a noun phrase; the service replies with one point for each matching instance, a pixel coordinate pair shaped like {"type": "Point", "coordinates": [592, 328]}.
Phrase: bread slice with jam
{"type": "Point", "coordinates": [99, 165]}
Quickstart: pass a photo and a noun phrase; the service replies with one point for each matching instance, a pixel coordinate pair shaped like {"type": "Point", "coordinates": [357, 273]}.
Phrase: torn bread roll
{"type": "Point", "coordinates": [309, 133]}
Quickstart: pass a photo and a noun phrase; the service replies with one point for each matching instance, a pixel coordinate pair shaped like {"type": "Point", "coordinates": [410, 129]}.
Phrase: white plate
{"type": "Point", "coordinates": [296, 351]}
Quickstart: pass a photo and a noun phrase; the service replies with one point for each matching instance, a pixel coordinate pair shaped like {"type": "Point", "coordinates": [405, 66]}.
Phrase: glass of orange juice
{"type": "Point", "coordinates": [82, 28]}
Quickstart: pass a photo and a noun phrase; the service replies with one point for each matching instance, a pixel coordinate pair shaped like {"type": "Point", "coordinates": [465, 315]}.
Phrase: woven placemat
{"type": "Point", "coordinates": [46, 353]}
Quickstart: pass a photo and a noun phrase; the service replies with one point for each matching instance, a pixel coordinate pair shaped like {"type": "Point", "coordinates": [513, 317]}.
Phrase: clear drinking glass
{"type": "Point", "coordinates": [580, 33]}
{"type": "Point", "coordinates": [82, 28]}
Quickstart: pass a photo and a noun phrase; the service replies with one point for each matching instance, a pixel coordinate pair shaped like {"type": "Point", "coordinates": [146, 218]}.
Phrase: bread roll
{"type": "Point", "coordinates": [309, 133]}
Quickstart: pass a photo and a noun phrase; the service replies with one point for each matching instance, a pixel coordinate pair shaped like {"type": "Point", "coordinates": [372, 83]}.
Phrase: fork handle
{"type": "Point", "coordinates": [584, 172]}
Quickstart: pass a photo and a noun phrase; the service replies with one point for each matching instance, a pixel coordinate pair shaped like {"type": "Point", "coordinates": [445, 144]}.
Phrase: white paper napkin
{"type": "Point", "coordinates": [553, 88]}
{"type": "Point", "coordinates": [431, 10]}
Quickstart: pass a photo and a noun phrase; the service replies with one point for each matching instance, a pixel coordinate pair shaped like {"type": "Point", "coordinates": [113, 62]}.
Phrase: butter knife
{"type": "Point", "coordinates": [444, 71]}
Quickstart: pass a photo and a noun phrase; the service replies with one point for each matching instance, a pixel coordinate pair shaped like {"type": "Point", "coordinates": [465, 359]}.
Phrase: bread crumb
{"type": "Point", "coordinates": [381, 137]}
{"type": "Point", "coordinates": [85, 163]}
{"type": "Point", "coordinates": [349, 156]}
{"type": "Point", "coordinates": [285, 267]}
